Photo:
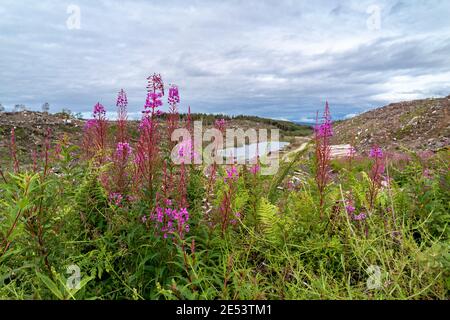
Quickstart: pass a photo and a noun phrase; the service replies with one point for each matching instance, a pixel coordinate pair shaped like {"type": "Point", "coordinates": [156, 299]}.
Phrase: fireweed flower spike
{"type": "Point", "coordinates": [147, 150]}
{"type": "Point", "coordinates": [116, 199]}
{"type": "Point", "coordinates": [90, 124]}
{"type": "Point", "coordinates": [122, 101]}
{"type": "Point", "coordinates": [375, 173]}
{"type": "Point", "coordinates": [255, 169]}
{"type": "Point", "coordinates": [94, 141]}
{"type": "Point", "coordinates": [171, 221]}
{"type": "Point", "coordinates": [231, 174]}
{"type": "Point", "coordinates": [123, 150]}
{"type": "Point", "coordinates": [350, 209]}
{"type": "Point", "coordinates": [155, 84]}
{"type": "Point", "coordinates": [322, 134]}
{"type": "Point", "coordinates": [359, 217]}
{"type": "Point", "coordinates": [173, 100]}
{"type": "Point", "coordinates": [99, 111]}
{"type": "Point", "coordinates": [152, 102]}
{"type": "Point", "coordinates": [325, 130]}
{"type": "Point", "coordinates": [220, 124]}
{"type": "Point", "coordinates": [376, 152]}
{"type": "Point", "coordinates": [121, 105]}
{"type": "Point", "coordinates": [174, 97]}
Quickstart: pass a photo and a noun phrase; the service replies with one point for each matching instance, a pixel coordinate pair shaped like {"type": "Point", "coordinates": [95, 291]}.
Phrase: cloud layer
{"type": "Point", "coordinates": [279, 59]}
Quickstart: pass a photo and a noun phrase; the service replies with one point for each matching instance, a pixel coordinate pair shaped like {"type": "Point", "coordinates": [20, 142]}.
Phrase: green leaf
{"type": "Point", "coordinates": [50, 285]}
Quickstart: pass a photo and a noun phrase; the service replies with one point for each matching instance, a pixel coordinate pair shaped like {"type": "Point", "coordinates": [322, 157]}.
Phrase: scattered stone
{"type": "Point", "coordinates": [409, 124]}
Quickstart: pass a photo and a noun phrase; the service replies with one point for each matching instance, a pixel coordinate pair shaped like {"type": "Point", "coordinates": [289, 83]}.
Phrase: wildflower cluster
{"type": "Point", "coordinates": [350, 209]}
{"type": "Point", "coordinates": [171, 221]}
{"type": "Point", "coordinates": [123, 151]}
{"type": "Point", "coordinates": [220, 124]}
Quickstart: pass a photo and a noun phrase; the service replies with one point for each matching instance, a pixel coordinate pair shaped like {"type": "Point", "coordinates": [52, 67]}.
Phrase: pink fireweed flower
{"type": "Point", "coordinates": [89, 124]}
{"type": "Point", "coordinates": [146, 124]}
{"type": "Point", "coordinates": [122, 100]}
{"type": "Point", "coordinates": [95, 132]}
{"type": "Point", "coordinates": [173, 100]}
{"type": "Point", "coordinates": [123, 150]}
{"type": "Point", "coordinates": [359, 217]}
{"type": "Point", "coordinates": [220, 124]}
{"type": "Point", "coordinates": [155, 83]}
{"type": "Point", "coordinates": [99, 111]}
{"type": "Point", "coordinates": [159, 214]}
{"type": "Point", "coordinates": [376, 152]}
{"type": "Point", "coordinates": [116, 199]}
{"type": "Point", "coordinates": [139, 158]}
{"type": "Point", "coordinates": [350, 209]}
{"type": "Point", "coordinates": [121, 104]}
{"type": "Point", "coordinates": [325, 129]}
{"type": "Point", "coordinates": [255, 169]}
{"type": "Point", "coordinates": [183, 150]}
{"type": "Point", "coordinates": [172, 221]}
{"type": "Point", "coordinates": [232, 173]}
{"type": "Point", "coordinates": [427, 174]}
{"type": "Point", "coordinates": [174, 96]}
{"type": "Point", "coordinates": [186, 151]}
{"type": "Point", "coordinates": [152, 102]}
{"type": "Point", "coordinates": [182, 217]}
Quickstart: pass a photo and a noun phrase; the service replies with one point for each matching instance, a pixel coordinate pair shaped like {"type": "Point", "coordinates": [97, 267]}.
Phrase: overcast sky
{"type": "Point", "coordinates": [279, 59]}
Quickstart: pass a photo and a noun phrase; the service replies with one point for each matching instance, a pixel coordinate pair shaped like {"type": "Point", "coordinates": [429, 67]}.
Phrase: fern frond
{"type": "Point", "coordinates": [269, 220]}
{"type": "Point", "coordinates": [285, 170]}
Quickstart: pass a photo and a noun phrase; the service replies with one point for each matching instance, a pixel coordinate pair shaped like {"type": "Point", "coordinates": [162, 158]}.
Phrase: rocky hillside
{"type": "Point", "coordinates": [418, 125]}
{"type": "Point", "coordinates": [31, 127]}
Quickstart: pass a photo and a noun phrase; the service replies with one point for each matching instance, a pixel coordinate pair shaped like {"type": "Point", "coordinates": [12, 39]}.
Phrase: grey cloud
{"type": "Point", "coordinates": [270, 58]}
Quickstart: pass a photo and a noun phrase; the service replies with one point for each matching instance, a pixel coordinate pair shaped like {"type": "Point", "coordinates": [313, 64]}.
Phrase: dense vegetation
{"type": "Point", "coordinates": [140, 227]}
{"type": "Point", "coordinates": [286, 128]}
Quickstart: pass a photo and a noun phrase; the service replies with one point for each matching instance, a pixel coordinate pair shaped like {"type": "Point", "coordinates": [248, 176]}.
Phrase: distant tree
{"type": "Point", "coordinates": [66, 111]}
{"type": "Point", "coordinates": [2, 108]}
{"type": "Point", "coordinates": [20, 108]}
{"type": "Point", "coordinates": [45, 107]}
